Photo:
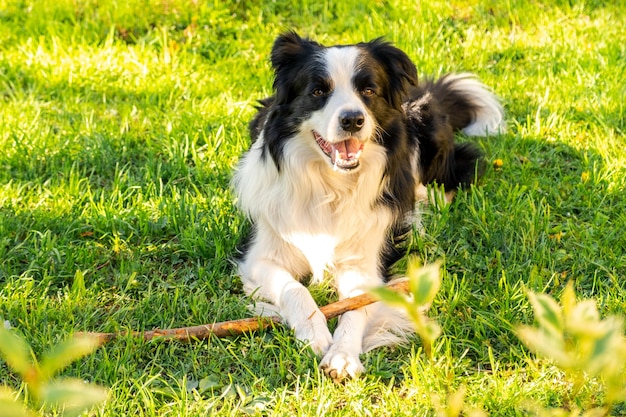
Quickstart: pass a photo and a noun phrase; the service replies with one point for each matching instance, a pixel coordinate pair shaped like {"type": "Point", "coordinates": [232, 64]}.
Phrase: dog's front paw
{"type": "Point", "coordinates": [339, 365]}
{"type": "Point", "coordinates": [314, 332]}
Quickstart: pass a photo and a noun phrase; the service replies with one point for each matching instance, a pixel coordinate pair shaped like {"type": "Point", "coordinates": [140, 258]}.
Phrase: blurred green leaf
{"type": "Point", "coordinates": [16, 352]}
{"type": "Point", "coordinates": [71, 396]}
{"type": "Point", "coordinates": [547, 312]}
{"type": "Point", "coordinates": [605, 352]}
{"type": "Point", "coordinates": [10, 404]}
{"type": "Point", "coordinates": [432, 330]}
{"type": "Point", "coordinates": [424, 282]}
{"type": "Point", "coordinates": [595, 412]}
{"type": "Point", "coordinates": [584, 320]}
{"type": "Point", "coordinates": [65, 353]}
{"type": "Point", "coordinates": [615, 376]}
{"type": "Point", "coordinates": [390, 297]}
{"type": "Point", "coordinates": [568, 299]}
{"type": "Point", "coordinates": [545, 344]}
{"type": "Point", "coordinates": [11, 408]}
{"type": "Point", "coordinates": [456, 403]}
{"type": "Point", "coordinates": [579, 342]}
{"type": "Point", "coordinates": [616, 390]}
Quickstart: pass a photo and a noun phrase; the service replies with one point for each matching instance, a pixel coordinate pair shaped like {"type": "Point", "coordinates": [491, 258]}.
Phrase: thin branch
{"type": "Point", "coordinates": [236, 327]}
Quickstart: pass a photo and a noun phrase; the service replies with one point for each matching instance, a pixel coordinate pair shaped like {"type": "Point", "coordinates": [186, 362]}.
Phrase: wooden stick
{"type": "Point", "coordinates": [236, 327]}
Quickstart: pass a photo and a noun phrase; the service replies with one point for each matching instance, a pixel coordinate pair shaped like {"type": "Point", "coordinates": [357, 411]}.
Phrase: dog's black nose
{"type": "Point", "coordinates": [351, 121]}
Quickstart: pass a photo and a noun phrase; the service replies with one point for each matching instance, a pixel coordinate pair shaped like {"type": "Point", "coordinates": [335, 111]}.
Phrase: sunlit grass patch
{"type": "Point", "coordinates": [121, 123]}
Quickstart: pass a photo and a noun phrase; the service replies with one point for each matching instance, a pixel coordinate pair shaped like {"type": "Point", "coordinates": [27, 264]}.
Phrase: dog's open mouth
{"type": "Point", "coordinates": [343, 155]}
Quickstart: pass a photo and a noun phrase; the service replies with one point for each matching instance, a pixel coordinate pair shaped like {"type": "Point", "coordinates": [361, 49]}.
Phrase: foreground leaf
{"type": "Point", "coordinates": [10, 404]}
{"type": "Point", "coordinates": [390, 297]}
{"type": "Point", "coordinates": [424, 282]}
{"type": "Point", "coordinates": [545, 344]}
{"type": "Point", "coordinates": [71, 396]}
{"type": "Point", "coordinates": [10, 408]}
{"type": "Point", "coordinates": [16, 353]}
{"type": "Point", "coordinates": [547, 313]}
{"type": "Point", "coordinates": [65, 353]}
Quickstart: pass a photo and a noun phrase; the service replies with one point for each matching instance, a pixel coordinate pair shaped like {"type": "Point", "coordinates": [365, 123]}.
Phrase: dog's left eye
{"type": "Point", "coordinates": [368, 92]}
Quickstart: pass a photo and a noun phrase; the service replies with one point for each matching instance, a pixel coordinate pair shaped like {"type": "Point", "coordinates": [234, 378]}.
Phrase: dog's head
{"type": "Point", "coordinates": [339, 97]}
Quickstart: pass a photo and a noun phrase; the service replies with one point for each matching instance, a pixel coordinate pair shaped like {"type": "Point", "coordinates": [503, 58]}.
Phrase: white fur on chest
{"type": "Point", "coordinates": [332, 218]}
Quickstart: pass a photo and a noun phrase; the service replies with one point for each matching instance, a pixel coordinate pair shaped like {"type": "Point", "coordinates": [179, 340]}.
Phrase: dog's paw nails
{"type": "Point", "coordinates": [332, 374]}
{"type": "Point", "coordinates": [340, 365]}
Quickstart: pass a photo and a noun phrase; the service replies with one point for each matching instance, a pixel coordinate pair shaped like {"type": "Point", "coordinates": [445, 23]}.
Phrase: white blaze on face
{"type": "Point", "coordinates": [343, 147]}
{"type": "Point", "coordinates": [342, 64]}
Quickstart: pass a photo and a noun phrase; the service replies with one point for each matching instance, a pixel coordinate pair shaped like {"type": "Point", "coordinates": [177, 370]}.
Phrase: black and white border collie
{"type": "Point", "coordinates": [340, 155]}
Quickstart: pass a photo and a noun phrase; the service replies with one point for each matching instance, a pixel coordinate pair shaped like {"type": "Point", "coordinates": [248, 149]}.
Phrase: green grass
{"type": "Point", "coordinates": [121, 124]}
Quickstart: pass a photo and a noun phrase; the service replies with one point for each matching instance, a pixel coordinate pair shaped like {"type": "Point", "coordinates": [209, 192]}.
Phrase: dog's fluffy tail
{"type": "Point", "coordinates": [435, 110]}
{"type": "Point", "coordinates": [469, 104]}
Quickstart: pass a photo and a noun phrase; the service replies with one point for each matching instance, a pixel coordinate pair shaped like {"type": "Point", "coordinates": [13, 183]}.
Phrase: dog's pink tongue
{"type": "Point", "coordinates": [348, 149]}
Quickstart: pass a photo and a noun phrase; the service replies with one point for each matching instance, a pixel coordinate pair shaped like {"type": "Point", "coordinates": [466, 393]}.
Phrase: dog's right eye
{"type": "Point", "coordinates": [318, 92]}
{"type": "Point", "coordinates": [368, 92]}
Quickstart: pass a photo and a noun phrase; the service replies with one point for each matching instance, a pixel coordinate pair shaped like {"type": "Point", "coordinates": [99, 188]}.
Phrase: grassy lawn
{"type": "Point", "coordinates": [121, 122]}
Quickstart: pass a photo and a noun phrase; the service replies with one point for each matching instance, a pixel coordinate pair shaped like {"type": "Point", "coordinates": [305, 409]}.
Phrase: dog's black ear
{"type": "Point", "coordinates": [288, 56]}
{"type": "Point", "coordinates": [399, 69]}
{"type": "Point", "coordinates": [288, 47]}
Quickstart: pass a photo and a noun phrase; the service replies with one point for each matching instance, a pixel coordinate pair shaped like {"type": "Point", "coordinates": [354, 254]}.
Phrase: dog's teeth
{"type": "Point", "coordinates": [358, 154]}
{"type": "Point", "coordinates": [337, 156]}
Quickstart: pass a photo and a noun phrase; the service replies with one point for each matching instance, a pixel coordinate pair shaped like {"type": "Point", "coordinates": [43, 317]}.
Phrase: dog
{"type": "Point", "coordinates": [339, 161]}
